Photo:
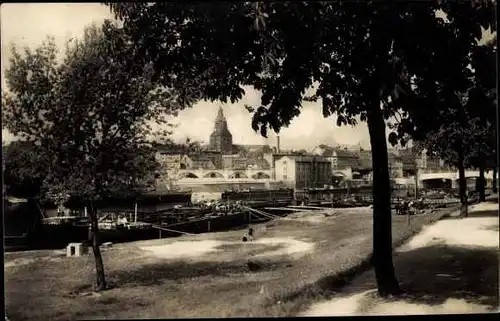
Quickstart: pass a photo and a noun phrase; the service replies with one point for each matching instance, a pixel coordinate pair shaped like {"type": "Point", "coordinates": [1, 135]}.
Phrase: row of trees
{"type": "Point", "coordinates": [465, 136]}
{"type": "Point", "coordinates": [370, 61]}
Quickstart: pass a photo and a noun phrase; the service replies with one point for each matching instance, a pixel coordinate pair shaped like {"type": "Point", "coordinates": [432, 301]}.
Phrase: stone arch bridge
{"type": "Point", "coordinates": [452, 175]}
{"type": "Point", "coordinates": [264, 174]}
{"type": "Point", "coordinates": [452, 178]}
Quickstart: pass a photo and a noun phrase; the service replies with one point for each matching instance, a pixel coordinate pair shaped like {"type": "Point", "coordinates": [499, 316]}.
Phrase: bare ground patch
{"type": "Point", "coordinates": [248, 249]}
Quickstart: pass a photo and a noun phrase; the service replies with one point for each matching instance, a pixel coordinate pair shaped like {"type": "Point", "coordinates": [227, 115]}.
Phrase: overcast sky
{"type": "Point", "coordinates": [29, 24]}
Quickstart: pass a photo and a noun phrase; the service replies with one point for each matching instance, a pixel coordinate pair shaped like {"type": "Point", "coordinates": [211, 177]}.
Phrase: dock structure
{"type": "Point", "coordinates": [170, 230]}
{"type": "Point", "coordinates": [281, 209]}
{"type": "Point", "coordinates": [267, 215]}
{"type": "Point", "coordinates": [305, 207]}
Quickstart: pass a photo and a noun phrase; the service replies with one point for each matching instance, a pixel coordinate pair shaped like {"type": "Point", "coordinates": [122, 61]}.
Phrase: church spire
{"type": "Point", "coordinates": [221, 139]}
{"type": "Point", "coordinates": [220, 115]}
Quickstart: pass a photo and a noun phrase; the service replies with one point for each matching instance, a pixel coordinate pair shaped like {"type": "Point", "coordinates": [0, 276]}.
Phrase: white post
{"type": "Point", "coordinates": [135, 212]}
{"type": "Point", "coordinates": [85, 211]}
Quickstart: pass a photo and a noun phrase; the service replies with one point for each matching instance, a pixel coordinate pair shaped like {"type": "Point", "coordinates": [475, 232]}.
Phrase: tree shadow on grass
{"type": "Point", "coordinates": [158, 273]}
{"type": "Point", "coordinates": [487, 213]}
{"type": "Point", "coordinates": [429, 275]}
{"type": "Point", "coordinates": [433, 274]}
{"type": "Point", "coordinates": [335, 284]}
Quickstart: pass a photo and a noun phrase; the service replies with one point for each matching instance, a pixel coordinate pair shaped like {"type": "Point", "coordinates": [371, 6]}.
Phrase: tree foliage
{"type": "Point", "coordinates": [464, 134]}
{"type": "Point", "coordinates": [361, 56]}
{"type": "Point", "coordinates": [188, 147]}
{"type": "Point", "coordinates": [282, 48]}
{"type": "Point", "coordinates": [25, 169]}
{"type": "Point", "coordinates": [91, 115]}
{"type": "Point", "coordinates": [469, 127]}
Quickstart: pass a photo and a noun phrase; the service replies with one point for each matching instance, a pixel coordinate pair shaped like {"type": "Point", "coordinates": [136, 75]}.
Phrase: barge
{"type": "Point", "coordinates": [259, 198]}
{"type": "Point", "coordinates": [166, 216]}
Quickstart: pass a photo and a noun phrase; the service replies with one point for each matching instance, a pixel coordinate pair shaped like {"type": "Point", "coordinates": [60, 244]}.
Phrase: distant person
{"type": "Point", "coordinates": [401, 207]}
{"type": "Point", "coordinates": [250, 234]}
{"type": "Point", "coordinates": [411, 207]}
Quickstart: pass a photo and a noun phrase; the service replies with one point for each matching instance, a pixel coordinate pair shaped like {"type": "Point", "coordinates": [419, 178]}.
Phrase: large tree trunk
{"type": "Point", "coordinates": [494, 182]}
{"type": "Point", "coordinates": [482, 184]}
{"type": "Point", "coordinates": [382, 226]}
{"type": "Point", "coordinates": [99, 266]}
{"type": "Point", "coordinates": [462, 185]}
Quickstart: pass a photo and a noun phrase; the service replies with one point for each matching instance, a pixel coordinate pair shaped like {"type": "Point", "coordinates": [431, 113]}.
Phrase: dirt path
{"type": "Point", "coordinates": [450, 267]}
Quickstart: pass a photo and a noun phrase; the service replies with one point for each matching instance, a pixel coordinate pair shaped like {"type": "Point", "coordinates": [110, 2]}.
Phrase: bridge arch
{"type": "Point", "coordinates": [339, 174]}
{"type": "Point", "coordinates": [436, 182]}
{"type": "Point", "coordinates": [213, 175]}
{"type": "Point", "coordinates": [261, 175]}
{"type": "Point", "coordinates": [238, 175]}
{"type": "Point", "coordinates": [338, 178]}
{"type": "Point", "coordinates": [188, 175]}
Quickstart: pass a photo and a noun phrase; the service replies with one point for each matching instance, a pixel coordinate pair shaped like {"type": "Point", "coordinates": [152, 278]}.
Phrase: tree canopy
{"type": "Point", "coordinates": [471, 125]}
{"type": "Point", "coordinates": [281, 48]}
{"type": "Point", "coordinates": [362, 57]}
{"type": "Point", "coordinates": [91, 115]}
{"type": "Point", "coordinates": [25, 169]}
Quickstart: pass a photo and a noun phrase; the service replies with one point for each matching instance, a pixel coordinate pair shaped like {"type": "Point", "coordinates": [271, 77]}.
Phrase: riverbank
{"type": "Point", "coordinates": [289, 266]}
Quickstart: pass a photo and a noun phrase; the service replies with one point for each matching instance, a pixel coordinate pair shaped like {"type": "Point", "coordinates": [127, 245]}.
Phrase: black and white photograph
{"type": "Point", "coordinates": [223, 159]}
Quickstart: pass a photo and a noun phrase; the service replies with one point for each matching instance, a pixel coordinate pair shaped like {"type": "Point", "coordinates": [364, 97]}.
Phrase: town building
{"type": "Point", "coordinates": [196, 162]}
{"type": "Point", "coordinates": [363, 171]}
{"type": "Point", "coordinates": [410, 162]}
{"type": "Point", "coordinates": [221, 159]}
{"type": "Point", "coordinates": [221, 139]}
{"type": "Point", "coordinates": [325, 165]}
{"type": "Point", "coordinates": [301, 172]}
{"type": "Point", "coordinates": [395, 163]}
{"type": "Point", "coordinates": [342, 160]}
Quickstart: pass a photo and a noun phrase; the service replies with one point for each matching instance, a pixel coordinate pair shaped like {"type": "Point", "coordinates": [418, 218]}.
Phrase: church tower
{"type": "Point", "coordinates": [221, 139]}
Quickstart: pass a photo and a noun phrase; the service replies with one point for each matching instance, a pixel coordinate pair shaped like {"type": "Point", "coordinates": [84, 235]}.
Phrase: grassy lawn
{"type": "Point", "coordinates": [48, 286]}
